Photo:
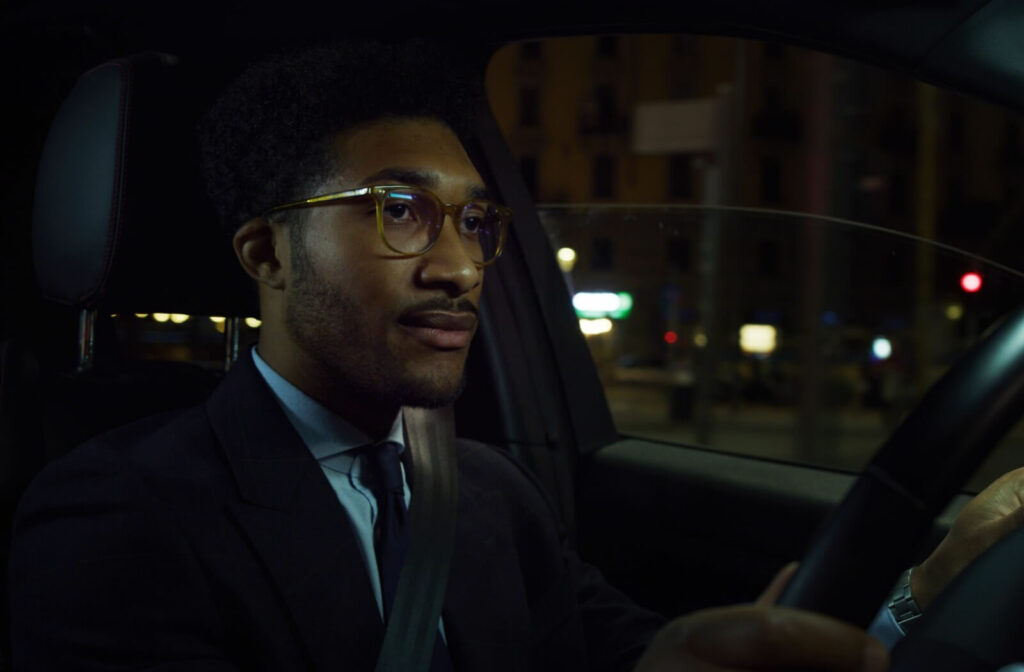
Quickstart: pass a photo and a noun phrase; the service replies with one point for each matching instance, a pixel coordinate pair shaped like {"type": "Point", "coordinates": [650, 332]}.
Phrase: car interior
{"type": "Point", "coordinates": [104, 215]}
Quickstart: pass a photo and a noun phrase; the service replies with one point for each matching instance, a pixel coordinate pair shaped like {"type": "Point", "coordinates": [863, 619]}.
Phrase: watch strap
{"type": "Point", "coordinates": [902, 606]}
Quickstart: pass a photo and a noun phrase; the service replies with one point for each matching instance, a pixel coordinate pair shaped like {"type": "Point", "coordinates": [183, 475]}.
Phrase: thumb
{"type": "Point", "coordinates": [771, 594]}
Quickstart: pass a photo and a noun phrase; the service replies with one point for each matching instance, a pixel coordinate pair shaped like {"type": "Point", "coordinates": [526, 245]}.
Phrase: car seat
{"type": "Point", "coordinates": [119, 226]}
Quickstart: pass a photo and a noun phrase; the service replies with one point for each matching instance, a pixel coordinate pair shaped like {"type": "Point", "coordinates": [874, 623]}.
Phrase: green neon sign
{"type": "Point", "coordinates": [593, 305]}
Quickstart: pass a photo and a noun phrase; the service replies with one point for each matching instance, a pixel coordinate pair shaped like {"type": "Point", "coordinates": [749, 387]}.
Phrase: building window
{"type": "Point", "coordinates": [685, 45]}
{"type": "Point", "coordinates": [771, 180]}
{"type": "Point", "coordinates": [531, 51]}
{"type": "Point", "coordinates": [528, 169]}
{"type": "Point", "coordinates": [680, 176]}
{"type": "Point", "coordinates": [599, 112]}
{"type": "Point", "coordinates": [606, 99]}
{"type": "Point", "coordinates": [773, 50]}
{"type": "Point", "coordinates": [1013, 133]}
{"type": "Point", "coordinates": [898, 133]}
{"type": "Point", "coordinates": [1011, 148]}
{"type": "Point", "coordinates": [678, 254]}
{"type": "Point", "coordinates": [899, 195]}
{"type": "Point", "coordinates": [608, 46]}
{"type": "Point", "coordinates": [768, 257]}
{"type": "Point", "coordinates": [603, 176]}
{"type": "Point", "coordinates": [956, 132]}
{"type": "Point", "coordinates": [681, 84]}
{"type": "Point", "coordinates": [602, 257]}
{"type": "Point", "coordinates": [529, 106]}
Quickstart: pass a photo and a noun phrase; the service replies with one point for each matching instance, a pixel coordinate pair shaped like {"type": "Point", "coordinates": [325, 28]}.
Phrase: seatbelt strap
{"type": "Point", "coordinates": [412, 626]}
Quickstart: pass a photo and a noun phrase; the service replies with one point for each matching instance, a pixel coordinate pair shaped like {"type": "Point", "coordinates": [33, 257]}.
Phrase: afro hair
{"type": "Point", "coordinates": [264, 141]}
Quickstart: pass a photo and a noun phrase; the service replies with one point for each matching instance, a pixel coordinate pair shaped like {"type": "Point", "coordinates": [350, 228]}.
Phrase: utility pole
{"type": "Point", "coordinates": [926, 195]}
{"type": "Point", "coordinates": [719, 189]}
{"type": "Point", "coordinates": [817, 181]}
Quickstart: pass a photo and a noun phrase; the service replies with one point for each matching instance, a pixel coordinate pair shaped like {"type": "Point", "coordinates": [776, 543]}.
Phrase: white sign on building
{"type": "Point", "coordinates": [677, 126]}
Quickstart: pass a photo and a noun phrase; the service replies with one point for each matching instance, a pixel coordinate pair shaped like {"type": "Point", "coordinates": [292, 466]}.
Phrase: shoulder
{"type": "Point", "coordinates": [100, 550]}
{"type": "Point", "coordinates": [490, 472]}
{"type": "Point", "coordinates": [141, 459]}
{"type": "Point", "coordinates": [483, 463]}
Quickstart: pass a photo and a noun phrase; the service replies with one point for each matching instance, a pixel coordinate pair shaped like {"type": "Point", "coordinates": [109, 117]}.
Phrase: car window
{"type": "Point", "coordinates": [772, 251]}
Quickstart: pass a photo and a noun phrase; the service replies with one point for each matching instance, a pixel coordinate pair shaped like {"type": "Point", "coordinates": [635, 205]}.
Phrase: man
{"type": "Point", "coordinates": [246, 533]}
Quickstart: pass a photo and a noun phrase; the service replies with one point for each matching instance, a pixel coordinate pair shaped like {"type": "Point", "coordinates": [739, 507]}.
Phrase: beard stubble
{"type": "Point", "coordinates": [332, 328]}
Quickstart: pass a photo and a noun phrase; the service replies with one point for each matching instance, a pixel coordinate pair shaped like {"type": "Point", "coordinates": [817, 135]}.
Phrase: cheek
{"type": "Point", "coordinates": [338, 255]}
{"type": "Point", "coordinates": [371, 282]}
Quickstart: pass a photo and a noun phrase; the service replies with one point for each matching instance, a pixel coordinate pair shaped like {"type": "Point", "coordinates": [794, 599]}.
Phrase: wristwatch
{"type": "Point", "coordinates": [902, 606]}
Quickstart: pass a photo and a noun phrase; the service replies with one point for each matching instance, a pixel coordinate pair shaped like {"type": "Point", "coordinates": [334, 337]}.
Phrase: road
{"type": "Point", "coordinates": [849, 436]}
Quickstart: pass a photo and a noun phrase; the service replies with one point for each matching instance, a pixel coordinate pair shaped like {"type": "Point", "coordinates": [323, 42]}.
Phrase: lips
{"type": "Point", "coordinates": [441, 329]}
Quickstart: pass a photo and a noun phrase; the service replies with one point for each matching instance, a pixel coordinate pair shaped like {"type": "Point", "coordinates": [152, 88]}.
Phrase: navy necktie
{"type": "Point", "coordinates": [391, 533]}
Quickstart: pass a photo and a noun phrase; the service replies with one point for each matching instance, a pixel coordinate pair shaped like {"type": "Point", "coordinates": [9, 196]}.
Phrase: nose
{"type": "Point", "coordinates": [448, 264]}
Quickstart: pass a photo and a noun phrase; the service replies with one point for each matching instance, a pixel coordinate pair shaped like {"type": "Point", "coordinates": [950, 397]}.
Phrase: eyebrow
{"type": "Point", "coordinates": [423, 179]}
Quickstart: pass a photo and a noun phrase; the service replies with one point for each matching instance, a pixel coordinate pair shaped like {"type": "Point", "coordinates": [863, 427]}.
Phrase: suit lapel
{"type": "Point", "coordinates": [295, 524]}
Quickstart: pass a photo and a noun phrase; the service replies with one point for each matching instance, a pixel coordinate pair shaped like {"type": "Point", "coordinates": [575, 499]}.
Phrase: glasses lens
{"type": "Point", "coordinates": [411, 220]}
{"type": "Point", "coordinates": [481, 224]}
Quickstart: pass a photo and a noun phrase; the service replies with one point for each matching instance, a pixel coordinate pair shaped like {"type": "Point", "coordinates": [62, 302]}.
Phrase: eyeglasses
{"type": "Point", "coordinates": [410, 219]}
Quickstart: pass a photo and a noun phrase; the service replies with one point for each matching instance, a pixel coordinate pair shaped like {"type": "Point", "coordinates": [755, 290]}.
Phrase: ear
{"type": "Point", "coordinates": [260, 247]}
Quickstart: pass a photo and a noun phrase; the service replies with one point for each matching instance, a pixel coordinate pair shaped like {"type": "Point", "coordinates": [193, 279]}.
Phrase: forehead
{"type": "Point", "coordinates": [413, 145]}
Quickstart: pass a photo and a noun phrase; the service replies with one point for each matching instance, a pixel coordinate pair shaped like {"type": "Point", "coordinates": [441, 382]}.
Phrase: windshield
{"type": "Point", "coordinates": [771, 333]}
{"type": "Point", "coordinates": [772, 251]}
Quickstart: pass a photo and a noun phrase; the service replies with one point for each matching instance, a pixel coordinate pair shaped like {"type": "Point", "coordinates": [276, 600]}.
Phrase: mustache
{"type": "Point", "coordinates": [441, 304]}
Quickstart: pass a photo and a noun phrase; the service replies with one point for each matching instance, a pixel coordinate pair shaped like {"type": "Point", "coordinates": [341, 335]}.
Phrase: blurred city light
{"type": "Point", "coordinates": [954, 311]}
{"type": "Point", "coordinates": [881, 348]}
{"type": "Point", "coordinates": [161, 317]}
{"type": "Point", "coordinates": [758, 339]}
{"type": "Point", "coordinates": [594, 327]}
{"type": "Point", "coordinates": [180, 318]}
{"type": "Point", "coordinates": [603, 304]}
{"type": "Point", "coordinates": [253, 322]}
{"type": "Point", "coordinates": [217, 319]}
{"type": "Point", "coordinates": [141, 315]}
{"type": "Point", "coordinates": [566, 258]}
{"type": "Point", "coordinates": [671, 337]}
{"type": "Point", "coordinates": [970, 282]}
{"type": "Point", "coordinates": [700, 339]}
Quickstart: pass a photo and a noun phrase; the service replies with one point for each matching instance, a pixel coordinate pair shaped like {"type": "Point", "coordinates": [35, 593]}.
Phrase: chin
{"type": "Point", "coordinates": [430, 391]}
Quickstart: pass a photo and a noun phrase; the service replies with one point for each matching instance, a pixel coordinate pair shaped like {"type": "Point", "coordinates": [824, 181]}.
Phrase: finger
{"type": "Point", "coordinates": [778, 638]}
{"type": "Point", "coordinates": [771, 594]}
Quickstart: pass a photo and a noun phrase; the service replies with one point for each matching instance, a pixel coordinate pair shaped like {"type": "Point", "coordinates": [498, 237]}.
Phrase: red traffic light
{"type": "Point", "coordinates": [671, 337]}
{"type": "Point", "coordinates": [970, 282]}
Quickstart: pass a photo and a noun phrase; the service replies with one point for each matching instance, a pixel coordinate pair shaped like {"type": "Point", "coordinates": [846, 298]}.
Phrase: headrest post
{"type": "Point", "coordinates": [86, 338]}
{"type": "Point", "coordinates": [232, 329]}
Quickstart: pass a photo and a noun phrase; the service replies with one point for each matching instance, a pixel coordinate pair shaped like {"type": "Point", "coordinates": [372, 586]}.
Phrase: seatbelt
{"type": "Point", "coordinates": [412, 626]}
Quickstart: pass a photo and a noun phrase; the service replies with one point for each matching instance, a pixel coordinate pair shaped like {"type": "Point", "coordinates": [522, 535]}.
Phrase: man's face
{"type": "Point", "coordinates": [375, 326]}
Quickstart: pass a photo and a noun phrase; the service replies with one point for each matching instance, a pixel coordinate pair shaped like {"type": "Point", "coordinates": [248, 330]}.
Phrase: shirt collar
{"type": "Point", "coordinates": [324, 432]}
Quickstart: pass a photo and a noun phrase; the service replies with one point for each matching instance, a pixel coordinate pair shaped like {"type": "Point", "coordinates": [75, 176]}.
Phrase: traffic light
{"type": "Point", "coordinates": [970, 282]}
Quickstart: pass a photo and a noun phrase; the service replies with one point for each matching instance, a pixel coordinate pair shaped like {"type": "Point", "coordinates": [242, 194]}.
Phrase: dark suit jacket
{"type": "Point", "coordinates": [211, 540]}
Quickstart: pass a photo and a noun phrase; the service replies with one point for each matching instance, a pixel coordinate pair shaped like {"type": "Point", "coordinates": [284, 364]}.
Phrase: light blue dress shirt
{"type": "Point", "coordinates": [332, 441]}
{"type": "Point", "coordinates": [884, 628]}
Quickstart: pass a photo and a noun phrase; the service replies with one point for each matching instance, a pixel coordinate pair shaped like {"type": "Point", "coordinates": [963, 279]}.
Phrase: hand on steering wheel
{"type": "Point", "coordinates": [993, 514]}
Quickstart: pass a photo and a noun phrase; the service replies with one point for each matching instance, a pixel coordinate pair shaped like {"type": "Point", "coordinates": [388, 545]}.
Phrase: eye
{"type": "Point", "coordinates": [474, 219]}
{"type": "Point", "coordinates": [396, 211]}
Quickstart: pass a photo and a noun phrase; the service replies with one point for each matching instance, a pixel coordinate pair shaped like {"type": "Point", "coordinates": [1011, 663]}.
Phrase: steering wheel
{"type": "Point", "coordinates": [878, 528]}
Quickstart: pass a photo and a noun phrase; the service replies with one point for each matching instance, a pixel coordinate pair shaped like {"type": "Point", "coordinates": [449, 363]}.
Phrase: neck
{"type": "Point", "coordinates": [363, 410]}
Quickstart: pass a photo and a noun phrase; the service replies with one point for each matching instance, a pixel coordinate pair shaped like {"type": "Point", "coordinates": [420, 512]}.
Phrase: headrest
{"type": "Point", "coordinates": [120, 221]}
